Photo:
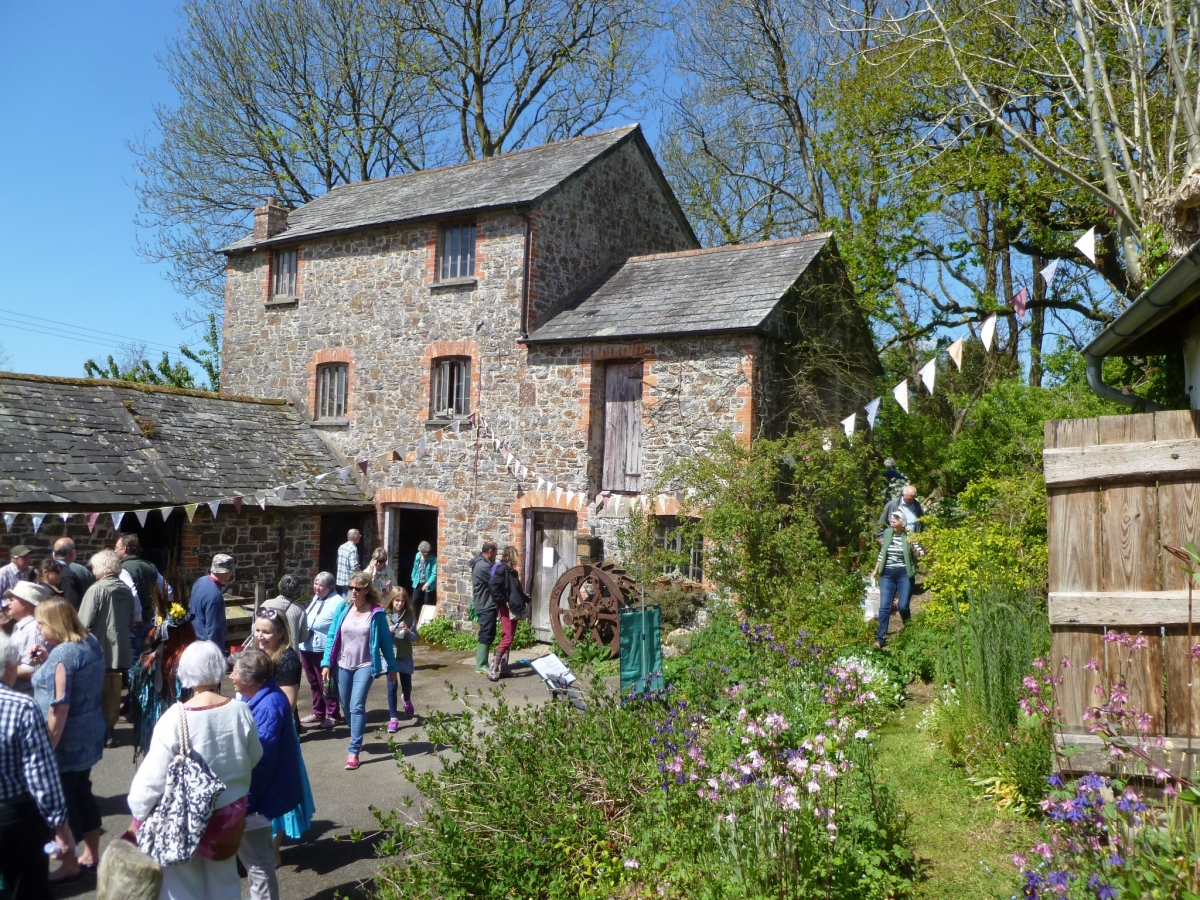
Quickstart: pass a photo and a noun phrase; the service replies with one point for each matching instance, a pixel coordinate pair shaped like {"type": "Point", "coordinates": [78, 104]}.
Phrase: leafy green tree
{"type": "Point", "coordinates": [166, 373]}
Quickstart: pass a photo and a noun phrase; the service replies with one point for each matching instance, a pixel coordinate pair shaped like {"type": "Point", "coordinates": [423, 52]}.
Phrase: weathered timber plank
{"type": "Point", "coordinates": [1116, 609]}
{"type": "Point", "coordinates": [1121, 462]}
{"type": "Point", "coordinates": [1077, 692]}
{"type": "Point", "coordinates": [1092, 754]}
{"type": "Point", "coordinates": [1183, 703]}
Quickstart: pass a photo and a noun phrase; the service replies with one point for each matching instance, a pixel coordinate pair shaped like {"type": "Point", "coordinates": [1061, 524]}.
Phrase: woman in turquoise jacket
{"type": "Point", "coordinates": [359, 649]}
{"type": "Point", "coordinates": [424, 579]}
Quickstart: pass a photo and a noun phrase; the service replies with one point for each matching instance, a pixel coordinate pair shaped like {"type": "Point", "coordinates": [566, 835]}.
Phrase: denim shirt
{"type": "Point", "coordinates": [320, 617]}
{"type": "Point", "coordinates": [82, 741]}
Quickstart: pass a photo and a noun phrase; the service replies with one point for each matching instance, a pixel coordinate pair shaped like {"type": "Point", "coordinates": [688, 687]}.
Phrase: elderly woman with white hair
{"type": "Point", "coordinates": [222, 732]}
{"type": "Point", "coordinates": [424, 578]}
{"type": "Point", "coordinates": [107, 611]}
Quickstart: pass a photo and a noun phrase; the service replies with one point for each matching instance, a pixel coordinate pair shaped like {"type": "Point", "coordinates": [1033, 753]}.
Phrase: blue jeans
{"type": "Point", "coordinates": [353, 685]}
{"type": "Point", "coordinates": [893, 584]}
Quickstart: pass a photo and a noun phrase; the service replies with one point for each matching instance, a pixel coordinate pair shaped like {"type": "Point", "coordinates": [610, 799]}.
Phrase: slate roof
{"type": "Point", "coordinates": [90, 445]}
{"type": "Point", "coordinates": [718, 290]}
{"type": "Point", "coordinates": [511, 179]}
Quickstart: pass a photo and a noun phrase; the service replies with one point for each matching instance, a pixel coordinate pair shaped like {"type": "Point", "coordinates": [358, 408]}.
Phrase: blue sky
{"type": "Point", "coordinates": [77, 80]}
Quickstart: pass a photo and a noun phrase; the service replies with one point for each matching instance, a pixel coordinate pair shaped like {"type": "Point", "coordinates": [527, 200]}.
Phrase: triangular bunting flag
{"type": "Point", "coordinates": [872, 409]}
{"type": "Point", "coordinates": [1049, 272]}
{"type": "Point", "coordinates": [214, 506]}
{"type": "Point", "coordinates": [165, 512]}
{"type": "Point", "coordinates": [508, 458]}
{"type": "Point", "coordinates": [900, 392]}
{"type": "Point", "coordinates": [987, 331]}
{"type": "Point", "coordinates": [456, 427]}
{"type": "Point", "coordinates": [116, 519]}
{"type": "Point", "coordinates": [320, 478]}
{"type": "Point", "coordinates": [237, 501]}
{"type": "Point", "coordinates": [141, 516]}
{"type": "Point", "coordinates": [300, 487]}
{"type": "Point", "coordinates": [557, 493]}
{"type": "Point", "coordinates": [848, 424]}
{"type": "Point", "coordinates": [281, 491]}
{"type": "Point", "coordinates": [90, 518]}
{"type": "Point", "coordinates": [9, 518]}
{"type": "Point", "coordinates": [343, 474]}
{"type": "Point", "coordinates": [955, 351]}
{"type": "Point", "coordinates": [541, 484]}
{"type": "Point", "coordinates": [616, 505]}
{"type": "Point", "coordinates": [1019, 301]}
{"type": "Point", "coordinates": [496, 442]}
{"type": "Point", "coordinates": [1087, 244]}
{"type": "Point", "coordinates": [363, 465]}
{"type": "Point", "coordinates": [571, 498]}
{"type": "Point", "coordinates": [190, 510]}
{"type": "Point", "coordinates": [929, 373]}
{"type": "Point", "coordinates": [261, 500]}
{"type": "Point", "coordinates": [37, 518]}
{"type": "Point", "coordinates": [65, 516]}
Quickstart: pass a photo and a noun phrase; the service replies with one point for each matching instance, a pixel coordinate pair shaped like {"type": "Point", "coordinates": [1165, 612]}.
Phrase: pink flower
{"type": "Point", "coordinates": [1044, 850]}
{"type": "Point", "coordinates": [814, 786]}
{"type": "Point", "coordinates": [1092, 665]}
{"type": "Point", "coordinates": [1039, 663]}
{"type": "Point", "coordinates": [1018, 860]}
{"type": "Point", "coordinates": [1066, 663]}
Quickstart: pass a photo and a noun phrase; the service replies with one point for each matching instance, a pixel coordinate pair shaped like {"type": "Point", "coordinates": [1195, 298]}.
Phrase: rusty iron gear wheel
{"type": "Point", "coordinates": [587, 600]}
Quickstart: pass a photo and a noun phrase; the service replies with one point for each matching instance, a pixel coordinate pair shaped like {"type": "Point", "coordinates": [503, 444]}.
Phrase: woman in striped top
{"type": "Point", "coordinates": [895, 568]}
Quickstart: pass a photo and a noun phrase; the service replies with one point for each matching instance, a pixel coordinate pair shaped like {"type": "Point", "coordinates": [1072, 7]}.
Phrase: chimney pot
{"type": "Point", "coordinates": [269, 220]}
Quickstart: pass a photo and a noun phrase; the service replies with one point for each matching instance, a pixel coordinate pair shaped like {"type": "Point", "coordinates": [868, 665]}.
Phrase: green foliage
{"type": "Point", "coordinates": [677, 605]}
{"type": "Point", "coordinates": [920, 650]}
{"type": "Point", "coordinates": [167, 373]}
{"type": "Point", "coordinates": [442, 631]}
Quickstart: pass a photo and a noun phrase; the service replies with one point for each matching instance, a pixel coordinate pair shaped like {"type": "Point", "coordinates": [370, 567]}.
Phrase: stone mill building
{"type": "Point", "coordinates": [558, 295]}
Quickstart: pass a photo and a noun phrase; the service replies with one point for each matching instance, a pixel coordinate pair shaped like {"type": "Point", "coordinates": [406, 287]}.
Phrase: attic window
{"type": "Point", "coordinates": [451, 382]}
{"type": "Point", "coordinates": [284, 264]}
{"type": "Point", "coordinates": [458, 252]}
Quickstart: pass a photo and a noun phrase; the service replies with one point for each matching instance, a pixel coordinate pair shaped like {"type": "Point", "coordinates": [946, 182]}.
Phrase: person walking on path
{"type": "Point", "coordinates": [275, 787]}
{"type": "Point", "coordinates": [424, 578]}
{"type": "Point", "coordinates": [485, 606]}
{"type": "Point", "coordinates": [223, 734]}
{"type": "Point", "coordinates": [511, 603]}
{"type": "Point", "coordinates": [893, 480]}
{"type": "Point", "coordinates": [359, 650]}
{"type": "Point", "coordinates": [290, 589]}
{"type": "Point", "coordinates": [319, 615]}
{"type": "Point", "coordinates": [383, 576]}
{"type": "Point", "coordinates": [403, 625]}
{"type": "Point", "coordinates": [32, 803]}
{"type": "Point", "coordinates": [21, 601]}
{"type": "Point", "coordinates": [907, 504]}
{"type": "Point", "coordinates": [347, 560]}
{"type": "Point", "coordinates": [69, 688]}
{"type": "Point", "coordinates": [896, 567]}
{"type": "Point", "coordinates": [19, 569]}
{"type": "Point", "coordinates": [207, 600]}
{"type": "Point", "coordinates": [107, 612]}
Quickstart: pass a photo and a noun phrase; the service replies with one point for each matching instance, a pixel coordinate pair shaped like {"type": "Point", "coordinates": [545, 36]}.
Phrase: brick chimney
{"type": "Point", "coordinates": [269, 220]}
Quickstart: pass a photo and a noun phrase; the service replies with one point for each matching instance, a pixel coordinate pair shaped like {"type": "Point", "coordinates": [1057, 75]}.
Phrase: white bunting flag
{"type": "Point", "coordinates": [165, 512]}
{"type": "Point", "coordinates": [422, 444]}
{"type": "Point", "coordinates": [570, 498]}
{"type": "Point", "coordinates": [988, 331]}
{"type": "Point", "coordinates": [300, 487]}
{"type": "Point", "coordinates": [1087, 244]}
{"type": "Point", "coordinates": [955, 351]}
{"type": "Point", "coordinates": [261, 500]}
{"type": "Point", "coordinates": [1049, 272]}
{"type": "Point", "coordinates": [320, 477]}
{"type": "Point", "coordinates": [541, 484]}
{"type": "Point", "coordinates": [141, 516]}
{"type": "Point", "coordinates": [617, 505]}
{"type": "Point", "coordinates": [508, 458]}
{"type": "Point", "coordinates": [281, 491]}
{"type": "Point", "coordinates": [65, 516]}
{"type": "Point", "coordinates": [496, 442]}
{"type": "Point", "coordinates": [343, 475]}
{"type": "Point", "coordinates": [38, 518]}
{"type": "Point", "coordinates": [557, 493]}
{"type": "Point", "coordinates": [900, 392]}
{"type": "Point", "coordinates": [214, 506]}
{"type": "Point", "coordinates": [872, 409]}
{"type": "Point", "coordinates": [9, 518]}
{"type": "Point", "coordinates": [929, 373]}
{"type": "Point", "coordinates": [456, 427]}
{"type": "Point", "coordinates": [848, 424]}
{"type": "Point", "coordinates": [116, 520]}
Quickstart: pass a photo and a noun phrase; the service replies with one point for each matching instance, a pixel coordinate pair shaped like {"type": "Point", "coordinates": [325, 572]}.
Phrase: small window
{"type": "Point", "coordinates": [451, 388]}
{"type": "Point", "coordinates": [685, 550]}
{"type": "Point", "coordinates": [458, 252]}
{"type": "Point", "coordinates": [283, 275]}
{"type": "Point", "coordinates": [332, 387]}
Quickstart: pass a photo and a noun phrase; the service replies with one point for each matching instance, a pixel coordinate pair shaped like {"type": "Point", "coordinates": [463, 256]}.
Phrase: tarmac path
{"type": "Point", "coordinates": [320, 866]}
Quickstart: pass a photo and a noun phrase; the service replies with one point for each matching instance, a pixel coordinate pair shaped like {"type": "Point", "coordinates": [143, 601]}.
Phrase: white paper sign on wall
{"type": "Point", "coordinates": [548, 557]}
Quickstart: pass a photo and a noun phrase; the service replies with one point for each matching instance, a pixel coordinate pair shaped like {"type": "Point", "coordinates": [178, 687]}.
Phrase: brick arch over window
{"type": "Point", "coordinates": [440, 350]}
{"type": "Point", "coordinates": [325, 357]}
{"type": "Point", "coordinates": [390, 496]}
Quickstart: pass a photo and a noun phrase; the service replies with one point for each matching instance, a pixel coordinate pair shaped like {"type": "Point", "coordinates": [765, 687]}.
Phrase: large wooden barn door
{"type": "Point", "coordinates": [549, 551]}
{"type": "Point", "coordinates": [622, 427]}
{"type": "Point", "coordinates": [1118, 488]}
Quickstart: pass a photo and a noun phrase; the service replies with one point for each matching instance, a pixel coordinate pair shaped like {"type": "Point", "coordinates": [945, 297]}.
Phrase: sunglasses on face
{"type": "Point", "coordinates": [358, 588]}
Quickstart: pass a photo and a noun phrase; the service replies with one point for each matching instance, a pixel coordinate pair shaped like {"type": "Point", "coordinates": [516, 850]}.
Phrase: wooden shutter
{"type": "Point", "coordinates": [622, 427]}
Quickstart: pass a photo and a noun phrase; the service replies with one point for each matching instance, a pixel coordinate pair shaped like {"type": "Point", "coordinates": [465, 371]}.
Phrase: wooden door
{"type": "Point", "coordinates": [622, 427]}
{"type": "Point", "coordinates": [549, 551]}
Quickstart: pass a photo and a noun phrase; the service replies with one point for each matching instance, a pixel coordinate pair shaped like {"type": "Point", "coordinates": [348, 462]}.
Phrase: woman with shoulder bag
{"type": "Point", "coordinates": [897, 564]}
{"type": "Point", "coordinates": [222, 734]}
{"type": "Point", "coordinates": [512, 603]}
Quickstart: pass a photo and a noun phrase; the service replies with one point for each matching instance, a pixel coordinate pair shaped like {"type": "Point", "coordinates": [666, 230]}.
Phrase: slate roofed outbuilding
{"type": "Point", "coordinates": [511, 179]}
{"type": "Point", "coordinates": [717, 290]}
{"type": "Point", "coordinates": [88, 444]}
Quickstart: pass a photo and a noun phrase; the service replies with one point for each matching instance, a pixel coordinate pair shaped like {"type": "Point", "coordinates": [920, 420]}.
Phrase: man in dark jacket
{"type": "Point", "coordinates": [485, 606]}
{"type": "Point", "coordinates": [207, 601]}
{"type": "Point", "coordinates": [147, 580]}
{"type": "Point", "coordinates": [907, 504]}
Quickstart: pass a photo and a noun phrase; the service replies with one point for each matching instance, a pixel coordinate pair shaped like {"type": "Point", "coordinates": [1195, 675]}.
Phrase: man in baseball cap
{"type": "Point", "coordinates": [207, 601]}
{"type": "Point", "coordinates": [20, 601]}
{"type": "Point", "coordinates": [17, 570]}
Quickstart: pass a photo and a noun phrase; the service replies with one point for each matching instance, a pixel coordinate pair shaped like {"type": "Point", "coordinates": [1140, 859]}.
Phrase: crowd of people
{"type": "Point", "coordinates": [73, 637]}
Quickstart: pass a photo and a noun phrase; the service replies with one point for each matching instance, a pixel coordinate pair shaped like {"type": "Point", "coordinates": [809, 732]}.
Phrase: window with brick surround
{"type": "Point", "coordinates": [333, 383]}
{"type": "Point", "coordinates": [284, 265]}
{"type": "Point", "coordinates": [450, 384]}
{"type": "Point", "coordinates": [457, 252]}
{"type": "Point", "coordinates": [685, 550]}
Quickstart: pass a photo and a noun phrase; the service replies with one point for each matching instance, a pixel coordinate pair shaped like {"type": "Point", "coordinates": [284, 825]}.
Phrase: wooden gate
{"type": "Point", "coordinates": [1118, 488]}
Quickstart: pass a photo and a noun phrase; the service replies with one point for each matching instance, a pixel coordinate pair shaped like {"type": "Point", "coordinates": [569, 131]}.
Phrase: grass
{"type": "Point", "coordinates": [964, 843]}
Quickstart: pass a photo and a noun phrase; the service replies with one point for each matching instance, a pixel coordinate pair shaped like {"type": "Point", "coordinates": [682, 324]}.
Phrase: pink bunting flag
{"type": "Point", "coordinates": [1020, 301]}
{"type": "Point", "coordinates": [363, 465]}
{"type": "Point", "coordinates": [91, 519]}
{"type": "Point", "coordinates": [237, 503]}
{"type": "Point", "coordinates": [955, 350]}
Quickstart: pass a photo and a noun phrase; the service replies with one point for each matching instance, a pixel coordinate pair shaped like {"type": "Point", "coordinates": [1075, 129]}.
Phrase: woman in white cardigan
{"type": "Point", "coordinates": [224, 735]}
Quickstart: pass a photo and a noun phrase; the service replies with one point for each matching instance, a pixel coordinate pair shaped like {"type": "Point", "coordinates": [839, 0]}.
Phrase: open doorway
{"type": "Point", "coordinates": [334, 528]}
{"type": "Point", "coordinates": [162, 544]}
{"type": "Point", "coordinates": [407, 526]}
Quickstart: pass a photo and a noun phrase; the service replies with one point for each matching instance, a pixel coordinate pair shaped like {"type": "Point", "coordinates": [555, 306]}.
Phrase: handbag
{"type": "Point", "coordinates": [173, 830]}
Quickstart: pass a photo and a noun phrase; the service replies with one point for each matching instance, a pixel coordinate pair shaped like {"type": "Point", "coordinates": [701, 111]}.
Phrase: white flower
{"type": "Point", "coordinates": [862, 734]}
{"type": "Point", "coordinates": [631, 864]}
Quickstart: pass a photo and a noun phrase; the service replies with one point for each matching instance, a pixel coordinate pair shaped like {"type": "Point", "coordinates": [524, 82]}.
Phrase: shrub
{"type": "Point", "coordinates": [678, 606]}
{"type": "Point", "coordinates": [442, 631]}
